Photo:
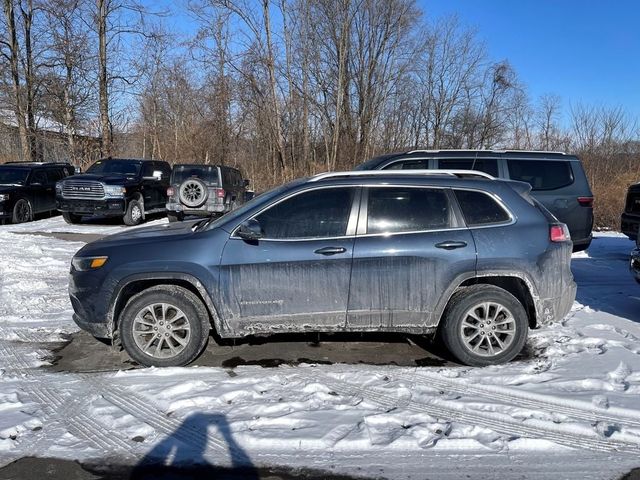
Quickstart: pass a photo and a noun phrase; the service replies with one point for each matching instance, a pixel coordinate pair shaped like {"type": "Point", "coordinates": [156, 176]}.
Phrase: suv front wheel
{"type": "Point", "coordinates": [484, 325]}
{"type": "Point", "coordinates": [164, 326]}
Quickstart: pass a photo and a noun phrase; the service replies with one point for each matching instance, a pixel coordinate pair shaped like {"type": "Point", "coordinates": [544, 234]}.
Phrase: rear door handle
{"type": "Point", "coordinates": [451, 245]}
{"type": "Point", "coordinates": [330, 250]}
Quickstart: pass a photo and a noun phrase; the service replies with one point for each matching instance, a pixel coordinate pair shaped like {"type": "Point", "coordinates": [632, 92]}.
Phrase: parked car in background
{"type": "Point", "coordinates": [558, 180]}
{"type": "Point", "coordinates": [205, 190]}
{"type": "Point", "coordinates": [630, 220]}
{"type": "Point", "coordinates": [115, 187]}
{"type": "Point", "coordinates": [473, 260]}
{"type": "Point", "coordinates": [28, 188]}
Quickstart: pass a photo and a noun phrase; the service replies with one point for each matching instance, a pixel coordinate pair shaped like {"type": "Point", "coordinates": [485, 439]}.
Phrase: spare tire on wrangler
{"type": "Point", "coordinates": [193, 192]}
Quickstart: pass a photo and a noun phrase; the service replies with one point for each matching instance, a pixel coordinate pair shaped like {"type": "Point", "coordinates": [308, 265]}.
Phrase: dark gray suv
{"type": "Point", "coordinates": [474, 260]}
{"type": "Point", "coordinates": [557, 179]}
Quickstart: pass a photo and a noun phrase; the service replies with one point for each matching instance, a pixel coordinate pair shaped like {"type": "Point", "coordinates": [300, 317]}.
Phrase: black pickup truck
{"type": "Point", "coordinates": [115, 187]}
{"type": "Point", "coordinates": [27, 188]}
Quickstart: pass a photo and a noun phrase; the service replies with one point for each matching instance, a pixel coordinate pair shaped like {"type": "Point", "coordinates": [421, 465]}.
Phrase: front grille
{"type": "Point", "coordinates": [82, 189]}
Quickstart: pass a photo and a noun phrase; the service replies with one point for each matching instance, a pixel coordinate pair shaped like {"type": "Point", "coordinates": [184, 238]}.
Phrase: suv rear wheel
{"type": "Point", "coordinates": [484, 325]}
{"type": "Point", "coordinates": [175, 217]}
{"type": "Point", "coordinates": [22, 211]}
{"type": "Point", "coordinates": [164, 326]}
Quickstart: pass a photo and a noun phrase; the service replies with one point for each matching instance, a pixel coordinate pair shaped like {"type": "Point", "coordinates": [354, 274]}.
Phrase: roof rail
{"type": "Point", "coordinates": [481, 150]}
{"type": "Point", "coordinates": [375, 173]}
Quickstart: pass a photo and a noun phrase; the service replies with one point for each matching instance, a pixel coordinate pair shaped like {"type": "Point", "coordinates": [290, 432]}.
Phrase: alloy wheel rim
{"type": "Point", "coordinates": [23, 212]}
{"type": "Point", "coordinates": [161, 330]}
{"type": "Point", "coordinates": [136, 213]}
{"type": "Point", "coordinates": [488, 329]}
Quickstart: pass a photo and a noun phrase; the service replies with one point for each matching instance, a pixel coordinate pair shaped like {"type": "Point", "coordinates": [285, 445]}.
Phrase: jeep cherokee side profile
{"type": "Point", "coordinates": [115, 187]}
{"type": "Point", "coordinates": [471, 259]}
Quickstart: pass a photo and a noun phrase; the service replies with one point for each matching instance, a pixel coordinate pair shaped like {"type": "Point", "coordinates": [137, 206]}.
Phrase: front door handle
{"type": "Point", "coordinates": [451, 245]}
{"type": "Point", "coordinates": [330, 250]}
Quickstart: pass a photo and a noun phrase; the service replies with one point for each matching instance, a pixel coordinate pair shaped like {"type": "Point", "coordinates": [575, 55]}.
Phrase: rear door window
{"type": "Point", "coordinates": [541, 174]}
{"type": "Point", "coordinates": [487, 165]}
{"type": "Point", "coordinates": [479, 208]}
{"type": "Point", "coordinates": [403, 209]}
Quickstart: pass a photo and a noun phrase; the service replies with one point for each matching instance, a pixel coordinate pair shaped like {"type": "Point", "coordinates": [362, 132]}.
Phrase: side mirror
{"type": "Point", "coordinates": [246, 182]}
{"type": "Point", "coordinates": [250, 230]}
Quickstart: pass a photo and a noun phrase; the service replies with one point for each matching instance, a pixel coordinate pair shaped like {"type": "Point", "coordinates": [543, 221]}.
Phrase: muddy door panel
{"type": "Point", "coordinates": [272, 286]}
{"type": "Point", "coordinates": [397, 281]}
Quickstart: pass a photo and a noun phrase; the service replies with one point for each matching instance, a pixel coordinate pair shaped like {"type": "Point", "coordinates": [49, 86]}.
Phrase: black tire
{"type": "Point", "coordinates": [71, 218]}
{"type": "Point", "coordinates": [178, 298]}
{"type": "Point", "coordinates": [175, 217]}
{"type": "Point", "coordinates": [134, 213]}
{"type": "Point", "coordinates": [22, 211]}
{"type": "Point", "coordinates": [452, 330]}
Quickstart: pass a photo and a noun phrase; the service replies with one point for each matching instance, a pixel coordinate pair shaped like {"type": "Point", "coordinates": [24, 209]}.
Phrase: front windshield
{"type": "Point", "coordinates": [13, 176]}
{"type": "Point", "coordinates": [257, 200]}
{"type": "Point", "coordinates": [123, 167]}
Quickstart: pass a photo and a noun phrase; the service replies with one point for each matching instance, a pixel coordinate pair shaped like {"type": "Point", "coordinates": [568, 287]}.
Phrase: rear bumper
{"type": "Point", "coordinates": [556, 308]}
{"type": "Point", "coordinates": [202, 210]}
{"type": "Point", "coordinates": [629, 225]}
{"type": "Point", "coordinates": [109, 207]}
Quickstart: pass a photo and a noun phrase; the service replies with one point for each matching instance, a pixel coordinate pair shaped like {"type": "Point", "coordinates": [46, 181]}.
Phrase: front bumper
{"type": "Point", "coordinates": [89, 304]}
{"type": "Point", "coordinates": [629, 225]}
{"type": "Point", "coordinates": [107, 207]}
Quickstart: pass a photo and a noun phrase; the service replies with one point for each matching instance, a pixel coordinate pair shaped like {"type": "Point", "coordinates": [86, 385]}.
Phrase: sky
{"type": "Point", "coordinates": [584, 51]}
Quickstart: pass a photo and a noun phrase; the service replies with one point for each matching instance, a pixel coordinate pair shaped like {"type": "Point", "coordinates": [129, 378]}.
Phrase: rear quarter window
{"type": "Point", "coordinates": [541, 174]}
{"type": "Point", "coordinates": [479, 208]}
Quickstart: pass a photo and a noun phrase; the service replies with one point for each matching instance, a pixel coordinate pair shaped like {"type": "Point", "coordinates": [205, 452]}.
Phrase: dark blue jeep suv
{"type": "Point", "coordinates": [474, 260]}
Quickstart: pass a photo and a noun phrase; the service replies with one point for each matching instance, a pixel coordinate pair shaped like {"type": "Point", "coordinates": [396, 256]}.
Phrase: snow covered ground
{"type": "Point", "coordinates": [568, 409]}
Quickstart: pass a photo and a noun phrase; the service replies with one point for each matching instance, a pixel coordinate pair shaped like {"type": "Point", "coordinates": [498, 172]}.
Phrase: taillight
{"type": "Point", "coordinates": [171, 192]}
{"type": "Point", "coordinates": [220, 193]}
{"type": "Point", "coordinates": [585, 201]}
{"type": "Point", "coordinates": [559, 233]}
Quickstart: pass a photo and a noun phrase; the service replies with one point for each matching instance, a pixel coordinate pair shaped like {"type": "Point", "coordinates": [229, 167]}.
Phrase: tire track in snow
{"type": "Point", "coordinates": [496, 422]}
{"type": "Point", "coordinates": [571, 408]}
{"type": "Point", "coordinates": [69, 412]}
{"type": "Point", "coordinates": [141, 409]}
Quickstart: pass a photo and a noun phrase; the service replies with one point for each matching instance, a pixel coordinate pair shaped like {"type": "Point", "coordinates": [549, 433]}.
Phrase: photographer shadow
{"type": "Point", "coordinates": [184, 453]}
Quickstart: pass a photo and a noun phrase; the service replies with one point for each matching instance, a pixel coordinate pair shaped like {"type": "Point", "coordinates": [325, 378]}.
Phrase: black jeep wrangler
{"type": "Point", "coordinates": [115, 187]}
{"type": "Point", "coordinates": [205, 190]}
{"type": "Point", "coordinates": [27, 188]}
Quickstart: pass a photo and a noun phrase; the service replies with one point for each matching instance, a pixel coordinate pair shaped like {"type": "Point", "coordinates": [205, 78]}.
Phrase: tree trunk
{"type": "Point", "coordinates": [105, 121]}
{"type": "Point", "coordinates": [15, 80]}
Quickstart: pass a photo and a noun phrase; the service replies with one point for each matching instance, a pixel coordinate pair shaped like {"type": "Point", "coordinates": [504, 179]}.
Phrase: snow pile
{"type": "Point", "coordinates": [568, 407]}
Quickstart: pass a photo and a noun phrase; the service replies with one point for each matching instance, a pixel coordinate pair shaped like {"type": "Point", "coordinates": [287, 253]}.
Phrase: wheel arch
{"type": "Point", "coordinates": [135, 284]}
{"type": "Point", "coordinates": [516, 284]}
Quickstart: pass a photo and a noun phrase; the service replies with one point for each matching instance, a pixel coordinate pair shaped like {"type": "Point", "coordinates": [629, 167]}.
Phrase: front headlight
{"type": "Point", "coordinates": [114, 191]}
{"type": "Point", "coordinates": [4, 197]}
{"type": "Point", "coordinates": [83, 264]}
{"type": "Point", "coordinates": [58, 186]}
